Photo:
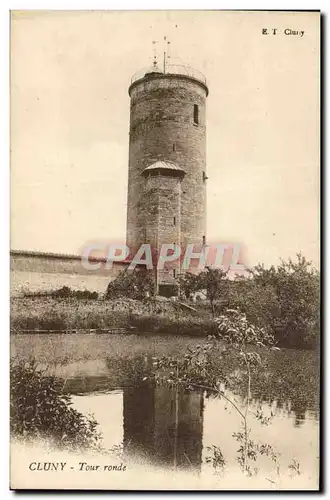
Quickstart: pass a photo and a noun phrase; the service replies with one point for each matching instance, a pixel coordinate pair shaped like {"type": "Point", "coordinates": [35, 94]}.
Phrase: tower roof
{"type": "Point", "coordinates": [164, 166]}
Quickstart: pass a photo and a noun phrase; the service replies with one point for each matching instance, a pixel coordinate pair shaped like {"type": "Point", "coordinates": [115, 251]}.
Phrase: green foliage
{"type": "Point", "coordinates": [216, 458]}
{"type": "Point", "coordinates": [259, 303]}
{"type": "Point", "coordinates": [190, 283]}
{"type": "Point", "coordinates": [236, 330]}
{"type": "Point", "coordinates": [65, 314]}
{"type": "Point", "coordinates": [283, 299]}
{"type": "Point", "coordinates": [215, 284]}
{"type": "Point", "coordinates": [40, 410]}
{"type": "Point", "coordinates": [197, 366]}
{"type": "Point", "coordinates": [195, 371]}
{"type": "Point", "coordinates": [212, 281]}
{"type": "Point", "coordinates": [35, 320]}
{"type": "Point", "coordinates": [297, 288]}
{"type": "Point", "coordinates": [64, 293]}
{"type": "Point", "coordinates": [249, 450]}
{"type": "Point", "coordinates": [138, 284]}
{"type": "Point", "coordinates": [294, 468]}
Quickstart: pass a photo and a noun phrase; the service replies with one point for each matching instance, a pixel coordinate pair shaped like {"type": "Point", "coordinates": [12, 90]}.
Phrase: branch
{"type": "Point", "coordinates": [246, 409]}
{"type": "Point", "coordinates": [207, 388]}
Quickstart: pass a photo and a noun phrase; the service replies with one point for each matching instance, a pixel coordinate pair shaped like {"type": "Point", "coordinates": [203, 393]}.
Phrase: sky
{"type": "Point", "coordinates": [70, 73]}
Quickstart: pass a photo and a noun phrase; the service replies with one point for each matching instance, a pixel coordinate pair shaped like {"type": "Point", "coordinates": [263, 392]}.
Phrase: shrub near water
{"type": "Point", "coordinates": [40, 410]}
{"type": "Point", "coordinates": [285, 299]}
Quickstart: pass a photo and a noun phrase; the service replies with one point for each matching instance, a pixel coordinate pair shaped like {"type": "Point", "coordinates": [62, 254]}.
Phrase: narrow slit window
{"type": "Point", "coordinates": [195, 114]}
{"type": "Point", "coordinates": [174, 147]}
{"type": "Point", "coordinates": [174, 273]}
{"type": "Point", "coordinates": [204, 240]}
{"type": "Point", "coordinates": [174, 221]}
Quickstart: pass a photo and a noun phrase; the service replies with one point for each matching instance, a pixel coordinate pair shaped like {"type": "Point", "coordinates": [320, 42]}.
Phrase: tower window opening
{"type": "Point", "coordinates": [174, 221]}
{"type": "Point", "coordinates": [205, 177]}
{"type": "Point", "coordinates": [174, 273]}
{"type": "Point", "coordinates": [174, 147]}
{"type": "Point", "coordinates": [204, 240]}
{"type": "Point", "coordinates": [195, 114]}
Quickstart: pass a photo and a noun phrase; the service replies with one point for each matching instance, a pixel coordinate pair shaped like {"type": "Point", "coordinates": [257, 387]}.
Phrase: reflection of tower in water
{"type": "Point", "coordinates": [164, 425]}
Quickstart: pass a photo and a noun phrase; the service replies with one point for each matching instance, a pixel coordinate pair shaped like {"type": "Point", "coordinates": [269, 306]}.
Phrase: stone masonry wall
{"type": "Point", "coordinates": [161, 204]}
{"type": "Point", "coordinates": [45, 272]}
{"type": "Point", "coordinates": [162, 128]}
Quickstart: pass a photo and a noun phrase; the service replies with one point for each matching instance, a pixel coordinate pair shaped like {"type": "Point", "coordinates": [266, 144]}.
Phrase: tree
{"type": "Point", "coordinates": [212, 281]}
{"type": "Point", "coordinates": [215, 284]}
{"type": "Point", "coordinates": [190, 283]}
{"type": "Point", "coordinates": [297, 288]}
{"type": "Point", "coordinates": [258, 301]}
{"type": "Point", "coordinates": [283, 299]}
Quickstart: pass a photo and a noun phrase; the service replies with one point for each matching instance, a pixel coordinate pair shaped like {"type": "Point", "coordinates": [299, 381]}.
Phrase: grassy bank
{"type": "Point", "coordinates": [155, 316]}
{"type": "Point", "coordinates": [64, 314]}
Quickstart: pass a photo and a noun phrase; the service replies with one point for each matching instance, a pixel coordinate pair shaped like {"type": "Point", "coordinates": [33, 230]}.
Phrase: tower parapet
{"type": "Point", "coordinates": [171, 69]}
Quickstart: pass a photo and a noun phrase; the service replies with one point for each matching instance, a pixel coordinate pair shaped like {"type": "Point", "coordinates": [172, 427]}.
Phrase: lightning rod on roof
{"type": "Point", "coordinates": [154, 62]}
{"type": "Point", "coordinates": [166, 52]}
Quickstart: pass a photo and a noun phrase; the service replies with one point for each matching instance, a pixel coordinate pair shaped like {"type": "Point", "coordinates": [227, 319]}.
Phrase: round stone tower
{"type": "Point", "coordinates": [167, 158]}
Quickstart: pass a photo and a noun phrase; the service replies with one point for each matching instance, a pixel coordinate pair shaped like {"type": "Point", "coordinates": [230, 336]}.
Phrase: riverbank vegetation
{"type": "Point", "coordinates": [51, 314]}
{"type": "Point", "coordinates": [41, 411]}
{"type": "Point", "coordinates": [195, 370]}
{"type": "Point", "coordinates": [235, 360]}
{"type": "Point", "coordinates": [283, 299]}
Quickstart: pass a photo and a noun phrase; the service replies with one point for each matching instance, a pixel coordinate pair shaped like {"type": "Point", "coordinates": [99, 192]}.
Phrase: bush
{"type": "Point", "coordinates": [136, 285]}
{"type": "Point", "coordinates": [284, 299]}
{"type": "Point", "coordinates": [40, 410]}
{"type": "Point", "coordinates": [64, 293]}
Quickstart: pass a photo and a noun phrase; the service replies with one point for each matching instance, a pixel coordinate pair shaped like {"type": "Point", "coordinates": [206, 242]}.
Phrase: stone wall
{"type": "Point", "coordinates": [162, 128]}
{"type": "Point", "coordinates": [161, 208]}
{"type": "Point", "coordinates": [37, 272]}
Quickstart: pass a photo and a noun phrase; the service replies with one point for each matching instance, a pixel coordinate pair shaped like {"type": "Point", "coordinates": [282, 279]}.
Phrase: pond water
{"type": "Point", "coordinates": [172, 428]}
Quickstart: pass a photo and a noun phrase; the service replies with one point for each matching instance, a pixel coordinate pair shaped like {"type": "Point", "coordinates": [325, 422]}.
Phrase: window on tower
{"type": "Point", "coordinates": [195, 114]}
